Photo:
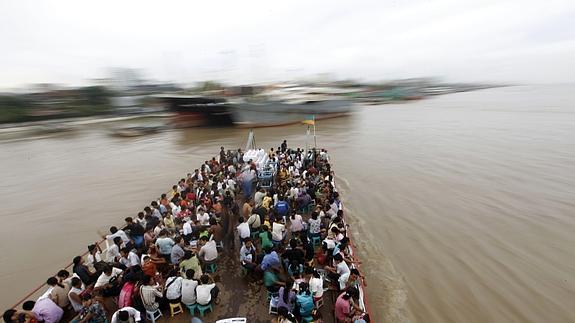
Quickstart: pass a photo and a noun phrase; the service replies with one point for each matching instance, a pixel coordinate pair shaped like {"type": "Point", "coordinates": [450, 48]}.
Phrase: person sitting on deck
{"type": "Point", "coordinates": [314, 225]}
{"type": "Point", "coordinates": [243, 229]}
{"type": "Point", "coordinates": [248, 255]}
{"type": "Point", "coordinates": [355, 279]}
{"type": "Point", "coordinates": [216, 231]}
{"type": "Point", "coordinates": [149, 235]}
{"type": "Point", "coordinates": [136, 232]}
{"type": "Point", "coordinates": [94, 254]}
{"type": "Point", "coordinates": [177, 250]}
{"type": "Point", "coordinates": [296, 223]}
{"type": "Point", "coordinates": [148, 266]}
{"type": "Point", "coordinates": [58, 292]}
{"type": "Point", "coordinates": [278, 232]}
{"type": "Point", "coordinates": [126, 315]}
{"type": "Point", "coordinates": [187, 230]}
{"type": "Point", "coordinates": [340, 272]}
{"type": "Point", "coordinates": [173, 287]}
{"type": "Point", "coordinates": [149, 293]}
{"type": "Point", "coordinates": [74, 294]}
{"type": "Point", "coordinates": [266, 238]}
{"type": "Point", "coordinates": [92, 312]}
{"type": "Point", "coordinates": [270, 260]}
{"type": "Point", "coordinates": [129, 257]}
{"type": "Point", "coordinates": [207, 292]}
{"type": "Point", "coordinates": [115, 232]}
{"type": "Point", "coordinates": [202, 216]}
{"type": "Point", "coordinates": [189, 285]}
{"type": "Point", "coordinates": [109, 281]}
{"type": "Point", "coordinates": [169, 221]}
{"type": "Point", "coordinates": [272, 281]}
{"type": "Point", "coordinates": [208, 253]}
{"type": "Point", "coordinates": [113, 252]}
{"type": "Point", "coordinates": [293, 255]}
{"type": "Point", "coordinates": [286, 296]}
{"type": "Point", "coordinates": [284, 316]}
{"type": "Point", "coordinates": [191, 262]}
{"type": "Point", "coordinates": [44, 310]}
{"type": "Point", "coordinates": [254, 222]}
{"type": "Point", "coordinates": [304, 302]}
{"type": "Point", "coordinates": [15, 316]}
{"type": "Point", "coordinates": [345, 307]}
{"type": "Point", "coordinates": [165, 244]}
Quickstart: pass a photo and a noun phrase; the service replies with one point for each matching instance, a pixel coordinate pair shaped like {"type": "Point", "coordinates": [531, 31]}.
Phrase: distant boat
{"type": "Point", "coordinates": [269, 107]}
{"type": "Point", "coordinates": [136, 131]}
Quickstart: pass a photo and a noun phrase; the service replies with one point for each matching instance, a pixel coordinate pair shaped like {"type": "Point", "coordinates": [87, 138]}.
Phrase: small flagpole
{"type": "Point", "coordinates": [306, 140]}
{"type": "Point", "coordinates": [314, 139]}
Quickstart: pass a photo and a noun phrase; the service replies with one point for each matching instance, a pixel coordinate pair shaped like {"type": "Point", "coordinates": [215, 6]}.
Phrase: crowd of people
{"type": "Point", "coordinates": [290, 234]}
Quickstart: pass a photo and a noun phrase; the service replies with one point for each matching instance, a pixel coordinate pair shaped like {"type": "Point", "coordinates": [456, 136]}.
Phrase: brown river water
{"type": "Point", "coordinates": [462, 206]}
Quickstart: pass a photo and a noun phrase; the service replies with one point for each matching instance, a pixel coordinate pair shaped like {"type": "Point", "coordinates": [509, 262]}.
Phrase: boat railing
{"type": "Point", "coordinates": [38, 291]}
{"type": "Point", "coordinates": [363, 303]}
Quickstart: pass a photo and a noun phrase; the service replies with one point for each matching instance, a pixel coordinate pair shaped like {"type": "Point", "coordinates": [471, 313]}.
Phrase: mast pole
{"type": "Point", "coordinates": [314, 139]}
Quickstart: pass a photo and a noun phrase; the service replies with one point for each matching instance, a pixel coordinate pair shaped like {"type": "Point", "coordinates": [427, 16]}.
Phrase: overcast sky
{"type": "Point", "coordinates": [251, 41]}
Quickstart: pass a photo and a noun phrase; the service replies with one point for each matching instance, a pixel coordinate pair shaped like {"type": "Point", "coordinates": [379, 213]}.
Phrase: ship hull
{"type": "Point", "coordinates": [270, 114]}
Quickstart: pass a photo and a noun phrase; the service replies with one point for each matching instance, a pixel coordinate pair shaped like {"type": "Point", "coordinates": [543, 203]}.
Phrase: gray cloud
{"type": "Point", "coordinates": [249, 41]}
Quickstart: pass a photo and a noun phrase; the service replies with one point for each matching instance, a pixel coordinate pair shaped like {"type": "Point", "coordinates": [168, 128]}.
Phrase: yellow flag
{"type": "Point", "coordinates": [309, 121]}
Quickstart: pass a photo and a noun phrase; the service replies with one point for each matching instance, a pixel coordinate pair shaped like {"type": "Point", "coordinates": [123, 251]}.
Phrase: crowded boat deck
{"type": "Point", "coordinates": [249, 236]}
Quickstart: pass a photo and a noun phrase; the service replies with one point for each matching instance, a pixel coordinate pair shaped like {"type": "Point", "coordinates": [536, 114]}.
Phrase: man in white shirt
{"type": "Point", "coordinates": [113, 251]}
{"type": "Point", "coordinates": [206, 291]}
{"type": "Point", "coordinates": [174, 289]}
{"type": "Point", "coordinates": [129, 258]}
{"type": "Point", "coordinates": [340, 273]}
{"type": "Point", "coordinates": [208, 252]}
{"type": "Point", "coordinates": [189, 288]}
{"type": "Point", "coordinates": [202, 216]}
{"type": "Point", "coordinates": [187, 228]}
{"type": "Point", "coordinates": [107, 275]}
{"type": "Point", "coordinates": [126, 314]}
{"type": "Point", "coordinates": [278, 231]}
{"type": "Point", "coordinates": [243, 229]}
{"type": "Point", "coordinates": [115, 232]}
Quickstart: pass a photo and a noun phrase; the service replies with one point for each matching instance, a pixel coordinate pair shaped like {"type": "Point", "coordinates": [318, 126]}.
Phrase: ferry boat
{"type": "Point", "coordinates": [259, 107]}
{"type": "Point", "coordinates": [242, 297]}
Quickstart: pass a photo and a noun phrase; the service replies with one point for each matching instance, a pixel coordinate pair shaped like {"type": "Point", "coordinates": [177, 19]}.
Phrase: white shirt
{"type": "Point", "coordinates": [243, 230]}
{"type": "Point", "coordinates": [209, 251]}
{"type": "Point", "coordinates": [104, 279]}
{"type": "Point", "coordinates": [187, 228]}
{"type": "Point", "coordinates": [91, 259]}
{"type": "Point", "coordinates": [203, 218]}
{"type": "Point", "coordinates": [343, 270]}
{"type": "Point", "coordinates": [203, 296]}
{"type": "Point", "coordinates": [120, 233]}
{"type": "Point", "coordinates": [133, 259]}
{"type": "Point", "coordinates": [112, 252]}
{"type": "Point", "coordinates": [134, 313]}
{"type": "Point", "coordinates": [278, 230]}
{"type": "Point", "coordinates": [189, 291]}
{"type": "Point", "coordinates": [316, 287]}
{"type": "Point", "coordinates": [175, 289]}
{"type": "Point", "coordinates": [76, 306]}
